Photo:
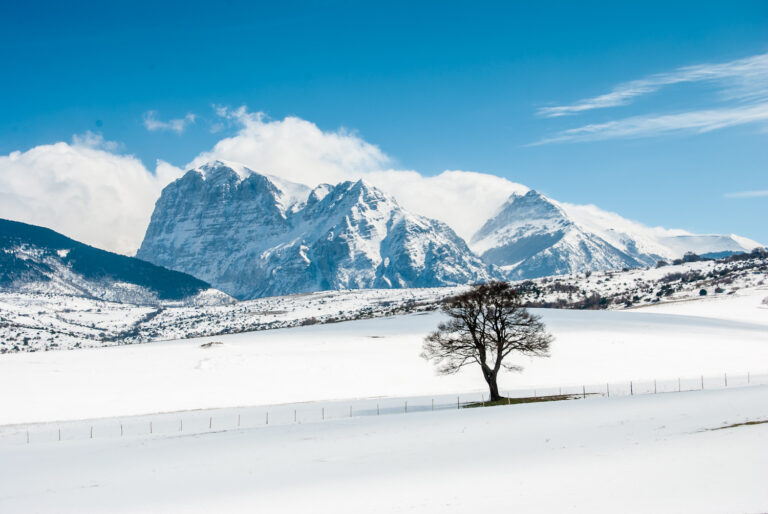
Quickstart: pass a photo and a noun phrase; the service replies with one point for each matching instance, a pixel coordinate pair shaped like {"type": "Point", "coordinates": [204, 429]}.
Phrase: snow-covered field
{"type": "Point", "coordinates": [32, 322]}
{"type": "Point", "coordinates": [652, 453]}
{"type": "Point", "coordinates": [375, 358]}
{"type": "Point", "coordinates": [641, 453]}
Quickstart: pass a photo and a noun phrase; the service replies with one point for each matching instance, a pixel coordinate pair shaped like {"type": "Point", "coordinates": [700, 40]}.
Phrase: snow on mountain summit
{"type": "Point", "coordinates": [533, 236]}
{"type": "Point", "coordinates": [253, 235]}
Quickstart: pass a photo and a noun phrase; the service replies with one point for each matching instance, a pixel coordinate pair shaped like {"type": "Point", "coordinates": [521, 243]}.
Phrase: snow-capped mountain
{"type": "Point", "coordinates": [533, 236]}
{"type": "Point", "coordinates": [38, 260]}
{"type": "Point", "coordinates": [252, 235]}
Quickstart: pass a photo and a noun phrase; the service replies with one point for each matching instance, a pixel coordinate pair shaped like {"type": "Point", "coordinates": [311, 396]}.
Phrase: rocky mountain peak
{"type": "Point", "coordinates": [256, 235]}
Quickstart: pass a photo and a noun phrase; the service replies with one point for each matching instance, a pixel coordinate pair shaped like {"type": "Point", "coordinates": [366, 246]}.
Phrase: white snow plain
{"type": "Point", "coordinates": [373, 358]}
{"type": "Point", "coordinates": [644, 453]}
{"type": "Point", "coordinates": [651, 453]}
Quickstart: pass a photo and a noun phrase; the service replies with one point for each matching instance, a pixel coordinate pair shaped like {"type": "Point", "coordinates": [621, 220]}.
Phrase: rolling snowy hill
{"type": "Point", "coordinates": [251, 235]}
{"type": "Point", "coordinates": [33, 321]}
{"type": "Point", "coordinates": [37, 260]}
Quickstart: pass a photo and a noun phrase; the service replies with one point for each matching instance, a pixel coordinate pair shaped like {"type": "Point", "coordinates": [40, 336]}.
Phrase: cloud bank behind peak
{"type": "Point", "coordinates": [92, 193]}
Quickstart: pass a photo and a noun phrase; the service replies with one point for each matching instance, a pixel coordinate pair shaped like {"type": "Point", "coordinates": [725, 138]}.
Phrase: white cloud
{"type": "Point", "coordinates": [175, 125]}
{"type": "Point", "coordinates": [298, 150]}
{"type": "Point", "coordinates": [89, 194]}
{"type": "Point", "coordinates": [95, 140]}
{"type": "Point", "coordinates": [654, 125]}
{"type": "Point", "coordinates": [743, 88]}
{"type": "Point", "coordinates": [742, 79]}
{"type": "Point", "coordinates": [748, 194]}
{"type": "Point", "coordinates": [294, 149]}
{"type": "Point", "coordinates": [462, 199]}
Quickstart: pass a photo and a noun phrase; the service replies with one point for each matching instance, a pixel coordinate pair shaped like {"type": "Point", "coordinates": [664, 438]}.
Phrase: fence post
{"type": "Point", "coordinates": [267, 418]}
{"type": "Point", "coordinates": [457, 403]}
{"type": "Point", "coordinates": [406, 405]}
{"type": "Point", "coordinates": [238, 420]}
{"type": "Point", "coordinates": [350, 411]}
{"type": "Point", "coordinates": [608, 390]}
{"type": "Point", "coordinates": [725, 376]}
{"type": "Point", "coordinates": [150, 427]}
{"type": "Point", "coordinates": [631, 389]}
{"type": "Point", "coordinates": [377, 408]}
{"type": "Point", "coordinates": [294, 415]}
{"type": "Point", "coordinates": [59, 434]}
{"type": "Point", "coordinates": [91, 434]}
{"type": "Point", "coordinates": [181, 425]}
{"type": "Point", "coordinates": [748, 377]}
{"type": "Point", "coordinates": [323, 413]}
{"type": "Point", "coordinates": [28, 436]}
{"type": "Point", "coordinates": [702, 382]}
{"type": "Point", "coordinates": [654, 386]}
{"type": "Point", "coordinates": [121, 430]}
{"type": "Point", "coordinates": [210, 422]}
{"type": "Point", "coordinates": [584, 392]}
{"type": "Point", "coordinates": [433, 404]}
{"type": "Point", "coordinates": [678, 385]}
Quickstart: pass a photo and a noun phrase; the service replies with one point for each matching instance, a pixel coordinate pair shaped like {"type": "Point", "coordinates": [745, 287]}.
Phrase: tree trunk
{"type": "Point", "coordinates": [490, 378]}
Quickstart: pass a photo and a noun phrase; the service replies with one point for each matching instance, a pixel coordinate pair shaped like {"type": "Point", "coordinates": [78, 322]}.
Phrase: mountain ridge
{"type": "Point", "coordinates": [532, 235]}
{"type": "Point", "coordinates": [245, 234]}
{"type": "Point", "coordinates": [38, 259]}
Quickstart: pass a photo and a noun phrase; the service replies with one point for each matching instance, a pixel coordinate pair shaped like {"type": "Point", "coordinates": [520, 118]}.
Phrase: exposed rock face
{"type": "Point", "coordinates": [253, 235]}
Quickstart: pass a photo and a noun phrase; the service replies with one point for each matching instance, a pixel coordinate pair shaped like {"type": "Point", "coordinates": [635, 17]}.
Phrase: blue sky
{"type": "Point", "coordinates": [434, 85]}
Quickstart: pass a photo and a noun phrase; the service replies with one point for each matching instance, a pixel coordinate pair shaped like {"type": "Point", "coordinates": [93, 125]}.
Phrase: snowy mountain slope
{"type": "Point", "coordinates": [38, 260]}
{"type": "Point", "coordinates": [533, 236]}
{"type": "Point", "coordinates": [667, 243]}
{"type": "Point", "coordinates": [253, 236]}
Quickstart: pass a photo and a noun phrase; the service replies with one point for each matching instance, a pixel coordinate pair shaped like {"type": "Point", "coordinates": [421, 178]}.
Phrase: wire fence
{"type": "Point", "coordinates": [226, 419]}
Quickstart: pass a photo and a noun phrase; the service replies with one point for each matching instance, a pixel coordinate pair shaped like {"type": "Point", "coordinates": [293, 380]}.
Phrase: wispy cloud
{"type": "Point", "coordinates": [95, 140]}
{"type": "Point", "coordinates": [743, 91]}
{"type": "Point", "coordinates": [744, 79]}
{"type": "Point", "coordinates": [175, 125]}
{"type": "Point", "coordinates": [654, 125]}
{"type": "Point", "coordinates": [747, 194]}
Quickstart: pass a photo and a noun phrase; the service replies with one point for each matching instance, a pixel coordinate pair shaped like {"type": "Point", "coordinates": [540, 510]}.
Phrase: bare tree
{"type": "Point", "coordinates": [486, 324]}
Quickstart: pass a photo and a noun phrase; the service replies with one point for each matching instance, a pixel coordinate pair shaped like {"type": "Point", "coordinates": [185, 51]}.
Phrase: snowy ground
{"type": "Point", "coordinates": [640, 453]}
{"type": "Point", "coordinates": [32, 322]}
{"type": "Point", "coordinates": [652, 453]}
{"type": "Point", "coordinates": [749, 305]}
{"type": "Point", "coordinates": [375, 358]}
